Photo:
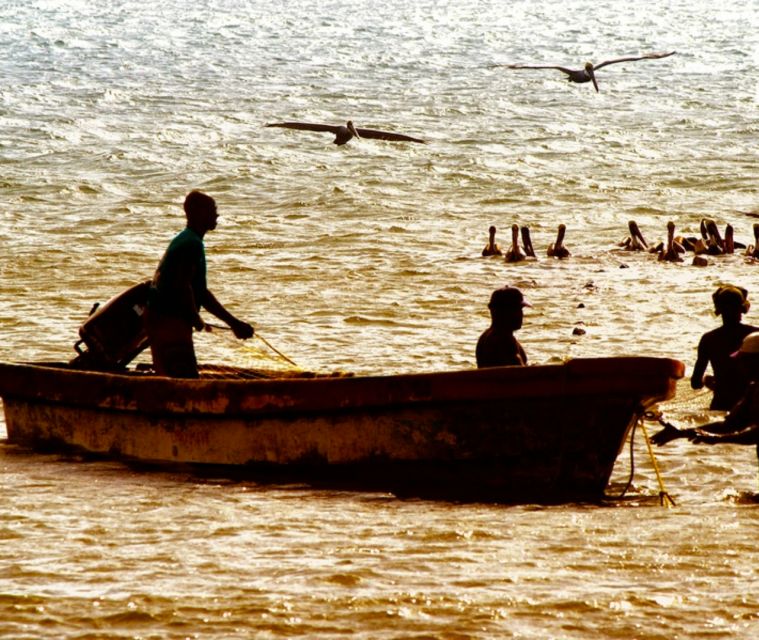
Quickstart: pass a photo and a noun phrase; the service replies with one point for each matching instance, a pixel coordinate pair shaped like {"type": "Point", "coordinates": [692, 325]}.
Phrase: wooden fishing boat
{"type": "Point", "coordinates": [547, 433]}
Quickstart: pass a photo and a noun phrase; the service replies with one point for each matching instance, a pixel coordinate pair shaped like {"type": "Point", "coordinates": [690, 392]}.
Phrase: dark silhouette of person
{"type": "Point", "coordinates": [497, 345]}
{"type": "Point", "coordinates": [741, 424]}
{"type": "Point", "coordinates": [178, 292]}
{"type": "Point", "coordinates": [716, 346]}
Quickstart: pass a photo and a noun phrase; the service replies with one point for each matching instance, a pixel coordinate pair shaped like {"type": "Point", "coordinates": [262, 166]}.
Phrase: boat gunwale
{"type": "Point", "coordinates": [649, 379]}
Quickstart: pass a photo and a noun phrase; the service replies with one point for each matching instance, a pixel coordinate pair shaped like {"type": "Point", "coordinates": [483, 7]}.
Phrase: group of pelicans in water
{"type": "Point", "coordinates": [710, 242]}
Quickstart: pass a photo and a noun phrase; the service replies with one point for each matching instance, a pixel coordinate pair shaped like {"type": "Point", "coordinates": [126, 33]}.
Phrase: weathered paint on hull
{"type": "Point", "coordinates": [492, 452]}
{"type": "Point", "coordinates": [535, 434]}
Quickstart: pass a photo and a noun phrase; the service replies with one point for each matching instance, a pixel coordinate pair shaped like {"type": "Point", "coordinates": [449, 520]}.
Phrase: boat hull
{"type": "Point", "coordinates": [545, 434]}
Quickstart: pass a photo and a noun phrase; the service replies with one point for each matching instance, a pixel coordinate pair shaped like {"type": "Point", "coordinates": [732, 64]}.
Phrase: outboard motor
{"type": "Point", "coordinates": [114, 333]}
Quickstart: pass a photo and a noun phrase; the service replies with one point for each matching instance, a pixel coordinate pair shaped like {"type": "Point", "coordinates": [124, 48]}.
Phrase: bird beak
{"type": "Point", "coordinates": [592, 75]}
{"type": "Point", "coordinates": [352, 129]}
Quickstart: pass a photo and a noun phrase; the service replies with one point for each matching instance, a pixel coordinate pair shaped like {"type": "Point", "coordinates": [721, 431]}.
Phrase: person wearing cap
{"type": "Point", "coordinates": [178, 292]}
{"type": "Point", "coordinates": [497, 346]}
{"type": "Point", "coordinates": [741, 424]}
{"type": "Point", "coordinates": [715, 347]}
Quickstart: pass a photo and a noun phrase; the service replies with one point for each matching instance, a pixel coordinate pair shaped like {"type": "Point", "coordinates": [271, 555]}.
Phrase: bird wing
{"type": "Point", "coordinates": [307, 126]}
{"type": "Point", "coordinates": [647, 56]}
{"type": "Point", "coordinates": [538, 66]}
{"type": "Point", "coordinates": [386, 135]}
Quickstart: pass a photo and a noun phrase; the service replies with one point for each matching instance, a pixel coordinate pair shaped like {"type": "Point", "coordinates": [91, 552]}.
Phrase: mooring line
{"type": "Point", "coordinates": [664, 498]}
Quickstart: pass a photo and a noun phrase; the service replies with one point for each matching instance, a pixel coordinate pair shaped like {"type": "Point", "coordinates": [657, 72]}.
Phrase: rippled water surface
{"type": "Point", "coordinates": [366, 258]}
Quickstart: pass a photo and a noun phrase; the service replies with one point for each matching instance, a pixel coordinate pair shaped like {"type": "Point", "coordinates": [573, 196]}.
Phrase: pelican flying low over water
{"type": "Point", "coordinates": [587, 73]}
{"type": "Point", "coordinates": [345, 132]}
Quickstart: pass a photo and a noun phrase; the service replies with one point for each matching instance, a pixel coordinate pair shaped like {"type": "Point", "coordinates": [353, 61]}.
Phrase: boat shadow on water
{"type": "Point", "coordinates": [308, 478]}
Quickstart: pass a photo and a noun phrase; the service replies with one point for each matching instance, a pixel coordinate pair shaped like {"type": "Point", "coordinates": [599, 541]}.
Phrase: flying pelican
{"type": "Point", "coordinates": [587, 73]}
{"type": "Point", "coordinates": [345, 132]}
{"type": "Point", "coordinates": [491, 248]}
{"type": "Point", "coordinates": [557, 249]}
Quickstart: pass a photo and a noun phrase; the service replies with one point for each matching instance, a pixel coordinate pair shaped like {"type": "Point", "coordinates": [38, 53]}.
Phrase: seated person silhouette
{"type": "Point", "coordinates": [497, 345]}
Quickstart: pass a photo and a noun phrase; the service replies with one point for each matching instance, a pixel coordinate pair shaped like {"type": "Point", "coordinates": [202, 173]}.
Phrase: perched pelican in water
{"type": "Point", "coordinates": [587, 73]}
{"type": "Point", "coordinates": [729, 239]}
{"type": "Point", "coordinates": [731, 244]}
{"type": "Point", "coordinates": [557, 249]}
{"type": "Point", "coordinates": [515, 253]}
{"type": "Point", "coordinates": [711, 241]}
{"type": "Point", "coordinates": [715, 245]}
{"type": "Point", "coordinates": [635, 241]}
{"type": "Point", "coordinates": [527, 242]}
{"type": "Point", "coordinates": [753, 249]}
{"type": "Point", "coordinates": [345, 132]}
{"type": "Point", "coordinates": [687, 243]}
{"type": "Point", "coordinates": [670, 253]}
{"type": "Point", "coordinates": [491, 248]}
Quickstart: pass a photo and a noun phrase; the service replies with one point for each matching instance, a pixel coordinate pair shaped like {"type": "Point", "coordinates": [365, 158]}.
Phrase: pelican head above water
{"type": "Point", "coordinates": [527, 241]}
{"type": "Point", "coordinates": [635, 241]}
{"type": "Point", "coordinates": [715, 245]}
{"type": "Point", "coordinates": [346, 132]}
{"type": "Point", "coordinates": [729, 242]}
{"type": "Point", "coordinates": [492, 248]}
{"type": "Point", "coordinates": [752, 250]}
{"type": "Point", "coordinates": [557, 249]}
{"type": "Point", "coordinates": [515, 253]}
{"type": "Point", "coordinates": [669, 252]}
{"type": "Point", "coordinates": [588, 72]}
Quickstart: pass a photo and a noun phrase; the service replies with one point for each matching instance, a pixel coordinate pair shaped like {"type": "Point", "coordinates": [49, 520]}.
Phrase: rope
{"type": "Point", "coordinates": [274, 349]}
{"type": "Point", "coordinates": [211, 327]}
{"type": "Point", "coordinates": [664, 498]}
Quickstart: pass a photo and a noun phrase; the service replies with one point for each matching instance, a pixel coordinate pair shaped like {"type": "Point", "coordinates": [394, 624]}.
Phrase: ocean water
{"type": "Point", "coordinates": [366, 258]}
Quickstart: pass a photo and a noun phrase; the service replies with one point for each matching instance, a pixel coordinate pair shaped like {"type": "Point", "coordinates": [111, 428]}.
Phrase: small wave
{"type": "Point", "coordinates": [360, 320]}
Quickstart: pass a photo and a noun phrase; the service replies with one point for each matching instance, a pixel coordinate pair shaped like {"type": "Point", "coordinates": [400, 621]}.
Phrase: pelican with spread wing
{"type": "Point", "coordinates": [587, 73]}
{"type": "Point", "coordinates": [345, 132]}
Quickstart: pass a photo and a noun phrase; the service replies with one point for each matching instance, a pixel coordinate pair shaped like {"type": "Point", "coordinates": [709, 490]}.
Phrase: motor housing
{"type": "Point", "coordinates": [114, 333]}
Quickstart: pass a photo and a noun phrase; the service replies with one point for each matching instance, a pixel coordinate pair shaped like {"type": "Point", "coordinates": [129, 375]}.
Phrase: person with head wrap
{"type": "Point", "coordinates": [715, 347]}
{"type": "Point", "coordinates": [741, 424]}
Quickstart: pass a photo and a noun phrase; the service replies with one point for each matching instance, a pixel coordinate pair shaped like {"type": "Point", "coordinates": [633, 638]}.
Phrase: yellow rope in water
{"type": "Point", "coordinates": [275, 350]}
{"type": "Point", "coordinates": [213, 327]}
{"type": "Point", "coordinates": [664, 498]}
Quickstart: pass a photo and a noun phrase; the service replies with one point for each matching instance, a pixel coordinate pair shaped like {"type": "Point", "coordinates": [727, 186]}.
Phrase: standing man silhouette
{"type": "Point", "coordinates": [178, 292]}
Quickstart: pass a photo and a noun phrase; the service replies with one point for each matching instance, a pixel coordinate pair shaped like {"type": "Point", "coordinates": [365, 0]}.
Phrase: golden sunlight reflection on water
{"type": "Point", "coordinates": [366, 258]}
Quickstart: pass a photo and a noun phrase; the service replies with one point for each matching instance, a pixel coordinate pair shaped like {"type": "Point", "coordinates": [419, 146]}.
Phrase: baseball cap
{"type": "Point", "coordinates": [507, 297]}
